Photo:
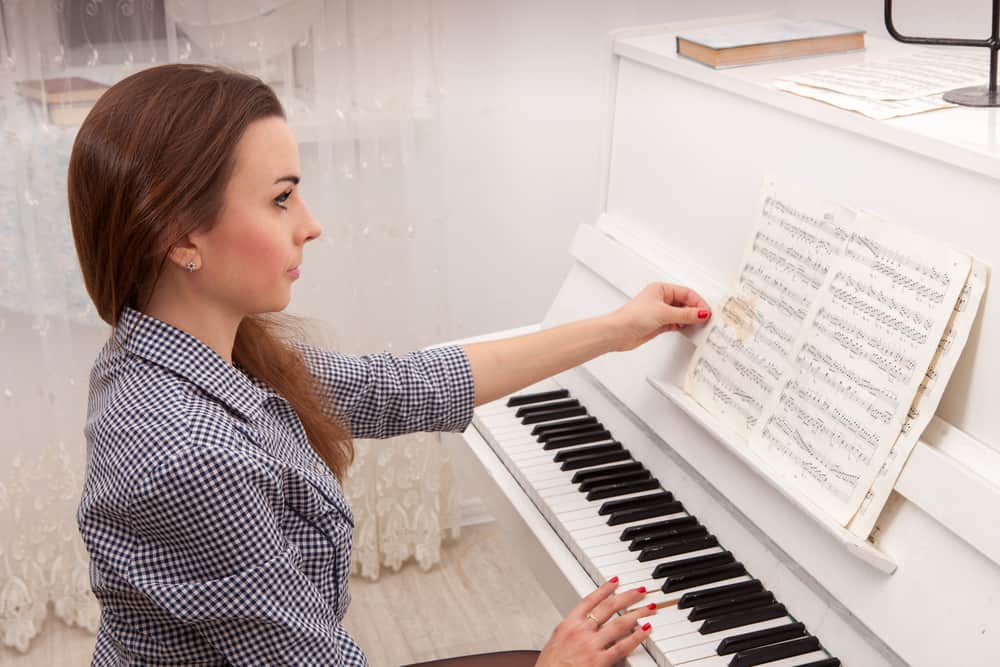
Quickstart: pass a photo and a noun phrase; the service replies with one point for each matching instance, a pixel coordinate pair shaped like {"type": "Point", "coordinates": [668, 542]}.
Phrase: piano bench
{"type": "Point", "coordinates": [497, 659]}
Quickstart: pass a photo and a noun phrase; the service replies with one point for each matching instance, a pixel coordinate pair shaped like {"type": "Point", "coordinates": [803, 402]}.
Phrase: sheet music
{"type": "Point", "coordinates": [748, 345]}
{"type": "Point", "coordinates": [921, 73]}
{"type": "Point", "coordinates": [858, 362]}
{"type": "Point", "coordinates": [927, 399]}
{"type": "Point", "coordinates": [877, 109]}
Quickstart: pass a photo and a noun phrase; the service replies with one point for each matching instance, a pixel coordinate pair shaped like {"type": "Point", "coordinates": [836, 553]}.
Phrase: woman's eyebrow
{"type": "Point", "coordinates": [293, 179]}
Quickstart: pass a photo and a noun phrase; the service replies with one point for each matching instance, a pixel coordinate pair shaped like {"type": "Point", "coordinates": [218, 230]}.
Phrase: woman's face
{"type": "Point", "coordinates": [258, 239]}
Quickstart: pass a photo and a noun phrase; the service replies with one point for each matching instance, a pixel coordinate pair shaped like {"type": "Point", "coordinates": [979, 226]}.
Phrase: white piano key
{"type": "Point", "coordinates": [579, 501]}
{"type": "Point", "coordinates": [646, 568]}
{"type": "Point", "coordinates": [604, 529]}
{"type": "Point", "coordinates": [658, 596]}
{"type": "Point", "coordinates": [700, 652]}
{"type": "Point", "coordinates": [598, 520]}
{"type": "Point", "coordinates": [670, 644]}
{"type": "Point", "coordinates": [714, 661]}
{"type": "Point", "coordinates": [803, 659]}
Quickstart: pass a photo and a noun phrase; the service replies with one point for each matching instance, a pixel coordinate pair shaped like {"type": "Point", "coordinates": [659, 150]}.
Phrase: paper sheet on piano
{"type": "Point", "coordinates": [817, 355]}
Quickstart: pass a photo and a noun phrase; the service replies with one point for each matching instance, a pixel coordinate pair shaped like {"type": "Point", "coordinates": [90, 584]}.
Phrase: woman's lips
{"type": "Point", "coordinates": [293, 272]}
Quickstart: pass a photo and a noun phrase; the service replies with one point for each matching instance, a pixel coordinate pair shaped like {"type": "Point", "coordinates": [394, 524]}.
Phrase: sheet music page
{"type": "Point", "coordinates": [748, 345]}
{"type": "Point", "coordinates": [924, 72]}
{"type": "Point", "coordinates": [877, 109]}
{"type": "Point", "coordinates": [928, 397]}
{"type": "Point", "coordinates": [857, 363]}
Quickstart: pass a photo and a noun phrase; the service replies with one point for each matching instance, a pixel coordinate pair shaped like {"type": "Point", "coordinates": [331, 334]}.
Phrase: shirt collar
{"type": "Point", "coordinates": [182, 353]}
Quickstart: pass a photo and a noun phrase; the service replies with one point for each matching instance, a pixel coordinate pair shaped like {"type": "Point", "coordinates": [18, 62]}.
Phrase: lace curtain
{"type": "Point", "coordinates": [359, 82]}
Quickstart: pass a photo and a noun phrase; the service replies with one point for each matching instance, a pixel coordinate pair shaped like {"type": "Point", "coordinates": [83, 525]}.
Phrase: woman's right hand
{"type": "Point", "coordinates": [592, 636]}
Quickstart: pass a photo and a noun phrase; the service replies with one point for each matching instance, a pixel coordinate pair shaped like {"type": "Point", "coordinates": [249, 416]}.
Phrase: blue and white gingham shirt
{"type": "Point", "coordinates": [216, 534]}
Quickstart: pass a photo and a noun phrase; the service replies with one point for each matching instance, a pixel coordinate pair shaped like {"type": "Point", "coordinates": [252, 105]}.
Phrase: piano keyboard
{"type": "Point", "coordinates": [618, 520]}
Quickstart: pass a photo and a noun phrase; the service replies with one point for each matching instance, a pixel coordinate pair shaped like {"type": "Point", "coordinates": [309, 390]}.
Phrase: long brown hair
{"type": "Point", "coordinates": [149, 165]}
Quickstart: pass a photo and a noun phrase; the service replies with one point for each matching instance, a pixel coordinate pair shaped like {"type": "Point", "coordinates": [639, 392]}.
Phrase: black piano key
{"type": "Point", "coordinates": [613, 506]}
{"type": "Point", "coordinates": [552, 415]}
{"type": "Point", "coordinates": [554, 405]}
{"type": "Point", "coordinates": [685, 565]}
{"type": "Point", "coordinates": [578, 452]}
{"type": "Point", "coordinates": [595, 460]}
{"type": "Point", "coordinates": [695, 598]}
{"type": "Point", "coordinates": [586, 475]}
{"type": "Point", "coordinates": [759, 656]}
{"type": "Point", "coordinates": [542, 429]}
{"type": "Point", "coordinates": [657, 538]}
{"type": "Point", "coordinates": [678, 547]}
{"type": "Point", "coordinates": [578, 439]}
{"type": "Point", "coordinates": [707, 576]}
{"type": "Point", "coordinates": [741, 618]}
{"type": "Point", "coordinates": [724, 607]}
{"type": "Point", "coordinates": [631, 516]}
{"type": "Point", "coordinates": [635, 532]}
{"type": "Point", "coordinates": [760, 638]}
{"type": "Point", "coordinates": [826, 662]}
{"type": "Point", "coordinates": [546, 433]}
{"type": "Point", "coordinates": [613, 478]}
{"type": "Point", "coordinates": [524, 399]}
{"type": "Point", "coordinates": [622, 488]}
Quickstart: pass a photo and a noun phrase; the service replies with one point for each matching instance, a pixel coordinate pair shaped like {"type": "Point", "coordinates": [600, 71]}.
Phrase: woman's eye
{"type": "Point", "coordinates": [282, 198]}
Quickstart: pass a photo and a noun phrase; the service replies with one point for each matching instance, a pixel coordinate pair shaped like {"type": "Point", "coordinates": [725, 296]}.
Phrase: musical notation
{"type": "Point", "coordinates": [925, 400]}
{"type": "Point", "coordinates": [827, 337]}
{"type": "Point", "coordinates": [879, 317]}
{"type": "Point", "coordinates": [748, 349]}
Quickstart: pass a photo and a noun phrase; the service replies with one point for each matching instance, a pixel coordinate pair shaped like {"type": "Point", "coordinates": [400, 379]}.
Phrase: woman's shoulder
{"type": "Point", "coordinates": [140, 415]}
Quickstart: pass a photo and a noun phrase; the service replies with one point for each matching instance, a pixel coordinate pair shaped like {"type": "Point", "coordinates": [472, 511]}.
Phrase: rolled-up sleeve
{"type": "Point", "coordinates": [384, 395]}
{"type": "Point", "coordinates": [209, 552]}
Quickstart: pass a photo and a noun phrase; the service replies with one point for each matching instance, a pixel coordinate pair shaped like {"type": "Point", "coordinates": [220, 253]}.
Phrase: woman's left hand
{"type": "Point", "coordinates": [658, 308]}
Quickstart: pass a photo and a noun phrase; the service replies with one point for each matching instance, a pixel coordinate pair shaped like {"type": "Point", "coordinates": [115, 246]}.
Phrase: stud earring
{"type": "Point", "coordinates": [190, 266]}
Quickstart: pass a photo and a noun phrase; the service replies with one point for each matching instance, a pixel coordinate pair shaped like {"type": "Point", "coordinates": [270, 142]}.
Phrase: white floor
{"type": "Point", "coordinates": [478, 599]}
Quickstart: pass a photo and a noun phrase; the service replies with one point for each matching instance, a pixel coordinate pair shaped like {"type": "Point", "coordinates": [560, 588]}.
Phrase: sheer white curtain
{"type": "Point", "coordinates": [361, 88]}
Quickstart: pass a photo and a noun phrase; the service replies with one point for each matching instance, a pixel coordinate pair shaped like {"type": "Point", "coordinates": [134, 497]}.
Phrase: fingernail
{"type": "Point", "coordinates": [651, 605]}
{"type": "Point", "coordinates": [646, 627]}
{"type": "Point", "coordinates": [702, 314]}
{"type": "Point", "coordinates": [641, 589]}
{"type": "Point", "coordinates": [613, 580]}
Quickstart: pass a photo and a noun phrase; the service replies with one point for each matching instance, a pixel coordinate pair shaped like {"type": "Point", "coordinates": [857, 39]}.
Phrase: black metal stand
{"type": "Point", "coordinates": [973, 96]}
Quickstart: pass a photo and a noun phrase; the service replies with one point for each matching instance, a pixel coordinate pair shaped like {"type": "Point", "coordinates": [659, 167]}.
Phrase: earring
{"type": "Point", "coordinates": [190, 266]}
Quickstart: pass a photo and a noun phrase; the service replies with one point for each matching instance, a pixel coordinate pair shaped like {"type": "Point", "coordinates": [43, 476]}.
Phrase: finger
{"type": "Point", "coordinates": [594, 598]}
{"type": "Point", "coordinates": [694, 300]}
{"type": "Point", "coordinates": [686, 315]}
{"type": "Point", "coordinates": [619, 627]}
{"type": "Point", "coordinates": [679, 295]}
{"type": "Point", "coordinates": [612, 605]}
{"type": "Point", "coordinates": [626, 645]}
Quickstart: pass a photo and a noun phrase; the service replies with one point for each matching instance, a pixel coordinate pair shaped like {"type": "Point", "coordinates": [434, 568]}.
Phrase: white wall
{"type": "Point", "coordinates": [524, 117]}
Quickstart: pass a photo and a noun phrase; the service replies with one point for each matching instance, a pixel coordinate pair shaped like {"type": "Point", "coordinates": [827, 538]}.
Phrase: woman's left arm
{"type": "Point", "coordinates": [501, 367]}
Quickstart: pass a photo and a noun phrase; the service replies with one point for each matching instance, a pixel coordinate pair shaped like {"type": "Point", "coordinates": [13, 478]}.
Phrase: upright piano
{"type": "Point", "coordinates": [608, 470]}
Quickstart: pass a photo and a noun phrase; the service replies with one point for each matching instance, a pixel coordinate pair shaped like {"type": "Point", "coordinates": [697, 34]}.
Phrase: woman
{"type": "Point", "coordinates": [212, 509]}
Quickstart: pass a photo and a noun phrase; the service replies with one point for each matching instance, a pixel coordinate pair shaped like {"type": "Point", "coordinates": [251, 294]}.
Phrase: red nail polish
{"type": "Point", "coordinates": [652, 605]}
{"type": "Point", "coordinates": [613, 580]}
{"type": "Point", "coordinates": [646, 627]}
{"type": "Point", "coordinates": [702, 314]}
{"type": "Point", "coordinates": [641, 589]}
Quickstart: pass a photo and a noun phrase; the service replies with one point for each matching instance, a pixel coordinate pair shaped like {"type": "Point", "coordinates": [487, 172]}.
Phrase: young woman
{"type": "Point", "coordinates": [212, 509]}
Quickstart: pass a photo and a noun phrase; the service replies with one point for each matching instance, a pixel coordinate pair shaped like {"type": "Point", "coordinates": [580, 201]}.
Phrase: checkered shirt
{"type": "Point", "coordinates": [216, 534]}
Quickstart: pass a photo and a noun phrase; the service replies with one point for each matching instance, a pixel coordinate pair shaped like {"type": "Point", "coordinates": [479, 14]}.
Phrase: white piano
{"type": "Point", "coordinates": [687, 149]}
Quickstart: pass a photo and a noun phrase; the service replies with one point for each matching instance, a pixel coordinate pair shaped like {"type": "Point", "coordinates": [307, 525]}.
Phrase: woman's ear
{"type": "Point", "coordinates": [185, 255]}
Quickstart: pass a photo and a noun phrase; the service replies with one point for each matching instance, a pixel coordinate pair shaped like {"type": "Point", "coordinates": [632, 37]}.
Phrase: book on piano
{"type": "Point", "coordinates": [763, 41]}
